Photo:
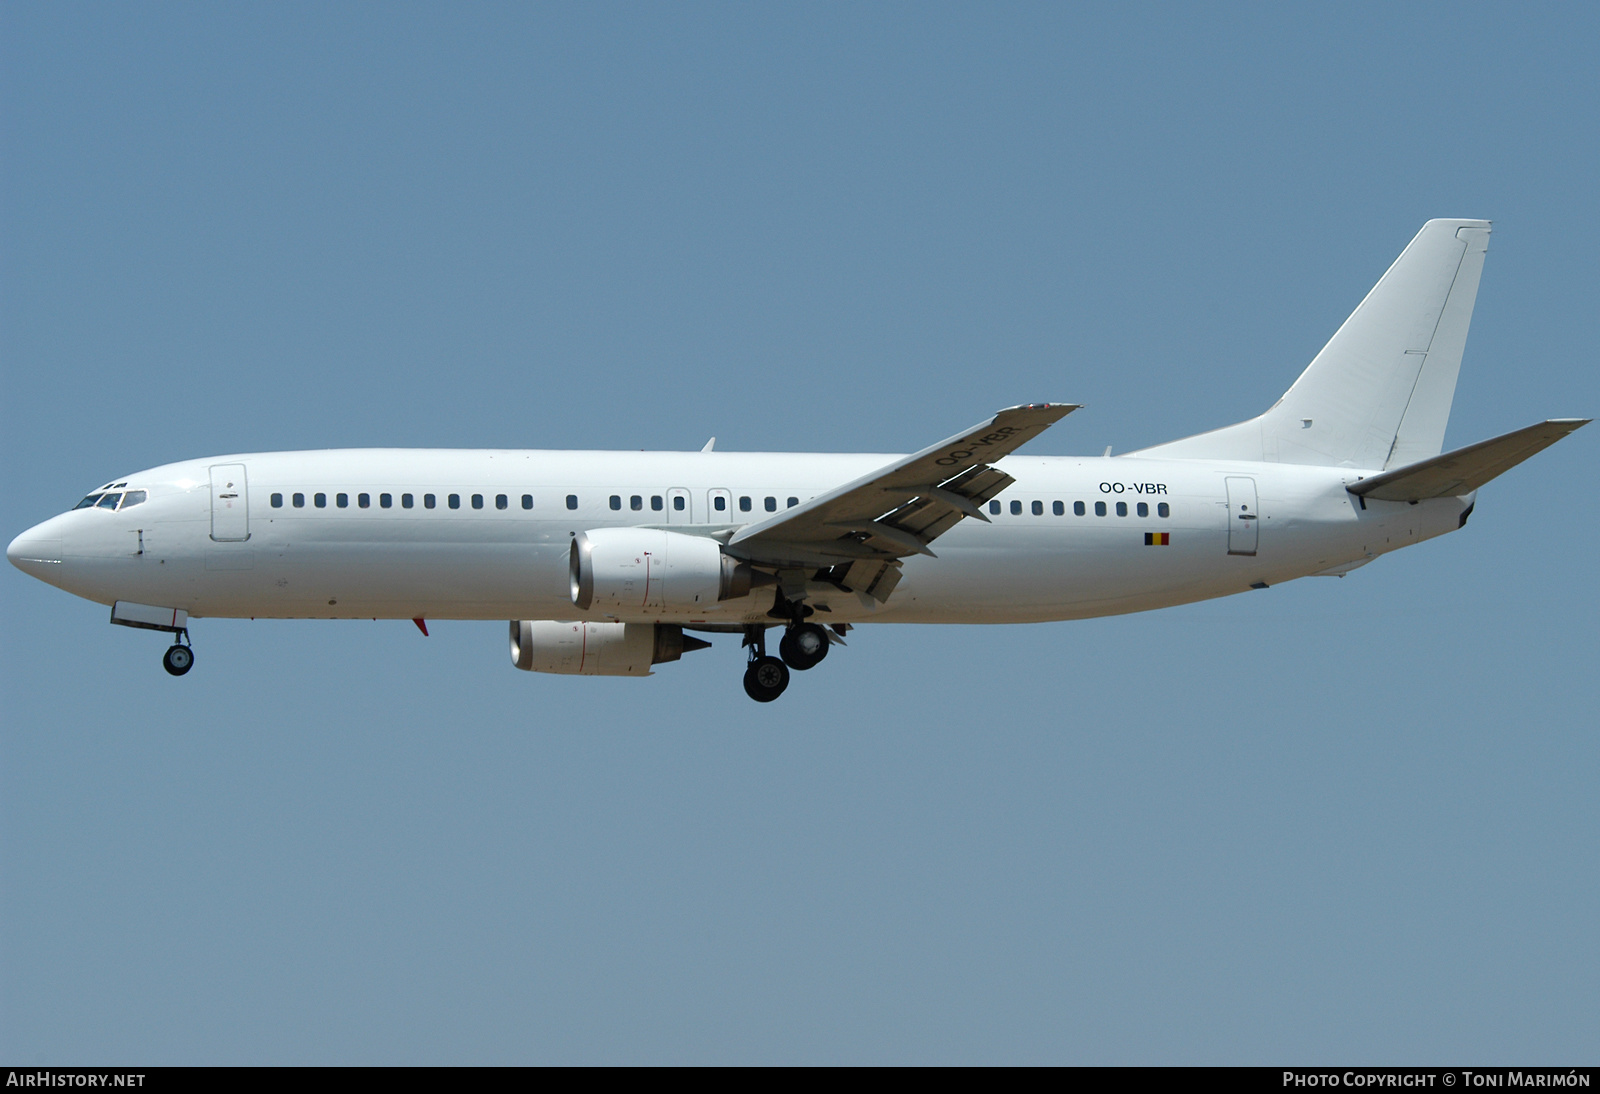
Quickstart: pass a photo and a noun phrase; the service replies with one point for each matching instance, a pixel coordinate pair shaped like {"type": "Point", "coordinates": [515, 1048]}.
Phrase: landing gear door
{"type": "Point", "coordinates": [1244, 521]}
{"type": "Point", "coordinates": [230, 504]}
{"type": "Point", "coordinates": [680, 509]}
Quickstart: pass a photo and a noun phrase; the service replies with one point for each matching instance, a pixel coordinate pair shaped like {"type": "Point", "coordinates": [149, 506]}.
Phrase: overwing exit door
{"type": "Point", "coordinates": [680, 506]}
{"type": "Point", "coordinates": [1244, 522]}
{"type": "Point", "coordinates": [719, 505]}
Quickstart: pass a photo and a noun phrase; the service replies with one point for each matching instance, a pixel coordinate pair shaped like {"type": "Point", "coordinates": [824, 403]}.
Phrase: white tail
{"type": "Point", "coordinates": [1379, 393]}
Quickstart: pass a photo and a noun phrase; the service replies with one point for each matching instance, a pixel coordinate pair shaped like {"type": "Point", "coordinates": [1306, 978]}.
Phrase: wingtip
{"type": "Point", "coordinates": [1063, 408]}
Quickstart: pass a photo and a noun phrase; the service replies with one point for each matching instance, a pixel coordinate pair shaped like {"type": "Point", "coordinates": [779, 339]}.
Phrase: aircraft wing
{"type": "Point", "coordinates": [862, 529]}
{"type": "Point", "coordinates": [1465, 469]}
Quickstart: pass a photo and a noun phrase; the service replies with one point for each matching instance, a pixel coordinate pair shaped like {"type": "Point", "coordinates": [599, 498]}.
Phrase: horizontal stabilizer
{"type": "Point", "coordinates": [1465, 469]}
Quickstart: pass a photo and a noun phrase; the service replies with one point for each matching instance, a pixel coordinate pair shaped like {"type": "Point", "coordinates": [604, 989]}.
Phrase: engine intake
{"type": "Point", "coordinates": [646, 571]}
{"type": "Point", "coordinates": [597, 649]}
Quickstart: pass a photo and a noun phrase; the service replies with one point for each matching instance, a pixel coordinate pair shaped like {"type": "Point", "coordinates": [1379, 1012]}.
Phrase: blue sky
{"type": "Point", "coordinates": [1340, 820]}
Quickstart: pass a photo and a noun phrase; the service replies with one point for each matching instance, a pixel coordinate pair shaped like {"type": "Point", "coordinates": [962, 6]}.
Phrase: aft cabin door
{"type": "Point", "coordinates": [230, 504]}
{"type": "Point", "coordinates": [1244, 522]}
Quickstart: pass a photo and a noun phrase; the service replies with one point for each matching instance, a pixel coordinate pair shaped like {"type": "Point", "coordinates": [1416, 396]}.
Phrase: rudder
{"type": "Point", "coordinates": [1379, 393]}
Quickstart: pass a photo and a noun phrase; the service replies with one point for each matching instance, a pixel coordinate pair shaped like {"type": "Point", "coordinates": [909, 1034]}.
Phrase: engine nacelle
{"type": "Point", "coordinates": [597, 649]}
{"type": "Point", "coordinates": [647, 571]}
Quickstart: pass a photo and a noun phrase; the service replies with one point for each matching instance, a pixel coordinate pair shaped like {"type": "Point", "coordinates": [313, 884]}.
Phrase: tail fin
{"type": "Point", "coordinates": [1379, 393]}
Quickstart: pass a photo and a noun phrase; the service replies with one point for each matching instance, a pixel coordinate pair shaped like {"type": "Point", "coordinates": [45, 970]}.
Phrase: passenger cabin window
{"type": "Point", "coordinates": [1142, 509]}
{"type": "Point", "coordinates": [527, 501]}
{"type": "Point", "coordinates": [1016, 508]}
{"type": "Point", "coordinates": [655, 502]}
{"type": "Point", "coordinates": [636, 503]}
{"type": "Point", "coordinates": [744, 503]}
{"type": "Point", "coordinates": [1099, 508]}
{"type": "Point", "coordinates": [994, 507]}
{"type": "Point", "coordinates": [501, 501]}
{"type": "Point", "coordinates": [1122, 508]}
{"type": "Point", "coordinates": [1058, 508]}
{"type": "Point", "coordinates": [1078, 509]}
{"type": "Point", "coordinates": [1163, 510]}
{"type": "Point", "coordinates": [386, 501]}
{"type": "Point", "coordinates": [454, 501]}
{"type": "Point", "coordinates": [299, 501]}
{"type": "Point", "coordinates": [793, 502]}
{"type": "Point", "coordinates": [277, 501]}
{"type": "Point", "coordinates": [364, 500]}
{"type": "Point", "coordinates": [477, 501]}
{"type": "Point", "coordinates": [719, 503]}
{"type": "Point", "coordinates": [677, 503]}
{"type": "Point", "coordinates": [572, 501]}
{"type": "Point", "coordinates": [1038, 508]}
{"type": "Point", "coordinates": [616, 501]}
{"type": "Point", "coordinates": [320, 500]}
{"type": "Point", "coordinates": [406, 501]}
{"type": "Point", "coordinates": [771, 504]}
{"type": "Point", "coordinates": [428, 501]}
{"type": "Point", "coordinates": [342, 500]}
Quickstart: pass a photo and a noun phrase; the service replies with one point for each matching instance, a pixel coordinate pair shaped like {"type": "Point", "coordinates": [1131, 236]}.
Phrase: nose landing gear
{"type": "Point", "coordinates": [179, 657]}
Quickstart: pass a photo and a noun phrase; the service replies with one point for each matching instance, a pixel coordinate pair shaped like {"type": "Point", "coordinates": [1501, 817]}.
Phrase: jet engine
{"type": "Point", "coordinates": [646, 571]}
{"type": "Point", "coordinates": [597, 649]}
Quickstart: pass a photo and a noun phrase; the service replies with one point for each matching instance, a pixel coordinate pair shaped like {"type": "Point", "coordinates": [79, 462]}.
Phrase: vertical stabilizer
{"type": "Point", "coordinates": [1379, 393]}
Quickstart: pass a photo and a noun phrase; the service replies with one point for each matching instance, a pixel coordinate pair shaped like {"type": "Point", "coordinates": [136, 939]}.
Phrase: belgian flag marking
{"type": "Point", "coordinates": [1157, 539]}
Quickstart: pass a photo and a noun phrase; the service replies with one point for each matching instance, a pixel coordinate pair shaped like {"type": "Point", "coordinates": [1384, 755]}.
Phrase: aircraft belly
{"type": "Point", "coordinates": [1097, 571]}
{"type": "Point", "coordinates": [326, 577]}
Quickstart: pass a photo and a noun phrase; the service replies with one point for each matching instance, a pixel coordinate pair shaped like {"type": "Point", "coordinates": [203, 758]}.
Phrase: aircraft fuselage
{"type": "Point", "coordinates": [374, 533]}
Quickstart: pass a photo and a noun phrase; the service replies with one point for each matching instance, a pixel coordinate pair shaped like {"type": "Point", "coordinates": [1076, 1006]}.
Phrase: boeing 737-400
{"type": "Point", "coordinates": [610, 562]}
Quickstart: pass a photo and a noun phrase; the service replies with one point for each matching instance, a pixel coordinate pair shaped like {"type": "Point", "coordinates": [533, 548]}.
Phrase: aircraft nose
{"type": "Point", "coordinates": [36, 552]}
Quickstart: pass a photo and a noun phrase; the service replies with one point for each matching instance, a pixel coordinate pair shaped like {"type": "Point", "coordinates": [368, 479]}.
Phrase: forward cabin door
{"type": "Point", "coordinates": [1244, 522]}
{"type": "Point", "coordinates": [230, 504]}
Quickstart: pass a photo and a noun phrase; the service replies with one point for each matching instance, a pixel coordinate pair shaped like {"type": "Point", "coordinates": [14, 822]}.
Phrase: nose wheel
{"type": "Point", "coordinates": [179, 657]}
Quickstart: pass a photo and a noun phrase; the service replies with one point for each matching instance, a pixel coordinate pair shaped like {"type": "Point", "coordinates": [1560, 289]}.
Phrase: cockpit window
{"type": "Point", "coordinates": [100, 500]}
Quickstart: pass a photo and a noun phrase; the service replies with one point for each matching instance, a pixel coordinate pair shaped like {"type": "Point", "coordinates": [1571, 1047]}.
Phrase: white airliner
{"type": "Point", "coordinates": [603, 560]}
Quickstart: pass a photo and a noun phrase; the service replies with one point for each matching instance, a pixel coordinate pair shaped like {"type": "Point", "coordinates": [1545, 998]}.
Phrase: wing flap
{"type": "Point", "coordinates": [1465, 469]}
{"type": "Point", "coordinates": [899, 509]}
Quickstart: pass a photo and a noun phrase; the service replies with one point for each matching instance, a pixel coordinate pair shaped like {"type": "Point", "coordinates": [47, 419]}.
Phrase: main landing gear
{"type": "Point", "coordinates": [179, 657]}
{"type": "Point", "coordinates": [802, 646]}
{"type": "Point", "coordinates": [765, 677]}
